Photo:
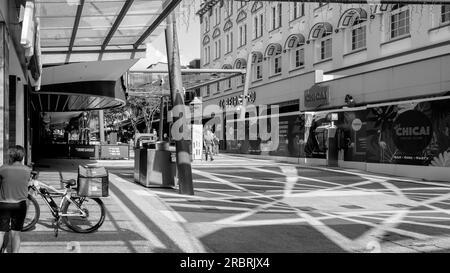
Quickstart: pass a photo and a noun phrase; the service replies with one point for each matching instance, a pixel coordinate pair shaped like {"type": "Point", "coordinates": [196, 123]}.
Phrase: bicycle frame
{"type": "Point", "coordinates": [50, 202]}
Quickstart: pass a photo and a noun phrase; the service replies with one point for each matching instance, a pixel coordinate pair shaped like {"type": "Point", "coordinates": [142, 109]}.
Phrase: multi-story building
{"type": "Point", "coordinates": [383, 69]}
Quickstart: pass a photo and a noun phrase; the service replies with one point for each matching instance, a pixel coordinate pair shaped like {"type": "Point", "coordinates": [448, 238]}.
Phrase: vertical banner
{"type": "Point", "coordinates": [197, 141]}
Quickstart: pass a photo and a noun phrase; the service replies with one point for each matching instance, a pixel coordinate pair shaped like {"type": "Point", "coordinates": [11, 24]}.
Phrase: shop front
{"type": "Point", "coordinates": [66, 121]}
{"type": "Point", "coordinates": [401, 128]}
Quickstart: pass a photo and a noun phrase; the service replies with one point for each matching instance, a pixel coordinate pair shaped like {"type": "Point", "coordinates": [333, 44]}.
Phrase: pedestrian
{"type": "Point", "coordinates": [208, 142]}
{"type": "Point", "coordinates": [14, 179]}
{"type": "Point", "coordinates": [216, 144]}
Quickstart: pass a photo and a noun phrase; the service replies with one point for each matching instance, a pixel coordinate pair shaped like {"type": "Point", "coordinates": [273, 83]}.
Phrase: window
{"type": "Point", "coordinates": [445, 13]}
{"type": "Point", "coordinates": [273, 52]}
{"type": "Point", "coordinates": [227, 85]}
{"type": "Point", "coordinates": [217, 88]}
{"type": "Point", "coordinates": [206, 57]}
{"type": "Point", "coordinates": [325, 48]}
{"type": "Point", "coordinates": [258, 26]}
{"type": "Point", "coordinates": [206, 23]}
{"type": "Point", "coordinates": [257, 59]}
{"type": "Point", "coordinates": [299, 54]}
{"type": "Point", "coordinates": [217, 15]}
{"type": "Point", "coordinates": [240, 64]}
{"type": "Point", "coordinates": [242, 4]}
{"type": "Point", "coordinates": [207, 90]}
{"type": "Point", "coordinates": [242, 35]}
{"type": "Point", "coordinates": [229, 8]}
{"type": "Point", "coordinates": [295, 44]}
{"type": "Point", "coordinates": [276, 16]}
{"type": "Point", "coordinates": [399, 20]}
{"type": "Point", "coordinates": [217, 49]}
{"type": "Point", "coordinates": [229, 46]}
{"type": "Point", "coordinates": [358, 37]}
{"type": "Point", "coordinates": [298, 10]}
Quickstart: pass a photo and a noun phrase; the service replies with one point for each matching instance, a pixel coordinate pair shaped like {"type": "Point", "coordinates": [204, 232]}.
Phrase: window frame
{"type": "Point", "coordinates": [445, 14]}
{"type": "Point", "coordinates": [396, 13]}
{"type": "Point", "coordinates": [242, 35]}
{"type": "Point", "coordinates": [360, 25]}
{"type": "Point", "coordinates": [323, 46]}
{"type": "Point", "coordinates": [295, 8]}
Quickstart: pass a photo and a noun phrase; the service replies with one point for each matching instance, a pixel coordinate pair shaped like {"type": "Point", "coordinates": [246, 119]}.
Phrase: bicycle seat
{"type": "Point", "coordinates": [69, 182]}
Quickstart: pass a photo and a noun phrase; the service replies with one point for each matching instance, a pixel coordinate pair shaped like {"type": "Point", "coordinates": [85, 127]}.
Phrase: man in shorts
{"type": "Point", "coordinates": [14, 179]}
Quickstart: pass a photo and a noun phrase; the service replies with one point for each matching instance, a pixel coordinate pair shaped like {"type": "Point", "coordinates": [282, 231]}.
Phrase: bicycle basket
{"type": "Point", "coordinates": [92, 182]}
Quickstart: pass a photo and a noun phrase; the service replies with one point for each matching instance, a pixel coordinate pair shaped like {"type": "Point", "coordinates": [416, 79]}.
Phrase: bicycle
{"type": "Point", "coordinates": [76, 212]}
{"type": "Point", "coordinates": [80, 214]}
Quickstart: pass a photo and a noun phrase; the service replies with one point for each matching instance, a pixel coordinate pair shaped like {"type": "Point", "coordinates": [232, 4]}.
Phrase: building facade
{"type": "Point", "coordinates": [376, 67]}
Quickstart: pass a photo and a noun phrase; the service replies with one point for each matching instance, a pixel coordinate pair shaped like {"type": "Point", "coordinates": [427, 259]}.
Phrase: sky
{"type": "Point", "coordinates": [188, 29]}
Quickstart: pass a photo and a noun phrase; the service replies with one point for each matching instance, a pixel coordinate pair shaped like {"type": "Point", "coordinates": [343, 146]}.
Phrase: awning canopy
{"type": "Point", "coordinates": [82, 86]}
{"type": "Point", "coordinates": [92, 30]}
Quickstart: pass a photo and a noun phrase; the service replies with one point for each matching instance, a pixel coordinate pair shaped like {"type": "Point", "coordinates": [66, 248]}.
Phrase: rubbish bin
{"type": "Point", "coordinates": [142, 142]}
{"type": "Point", "coordinates": [156, 167]}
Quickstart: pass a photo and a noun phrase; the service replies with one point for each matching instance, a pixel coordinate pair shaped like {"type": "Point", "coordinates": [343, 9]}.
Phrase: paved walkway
{"type": "Point", "coordinates": [251, 205]}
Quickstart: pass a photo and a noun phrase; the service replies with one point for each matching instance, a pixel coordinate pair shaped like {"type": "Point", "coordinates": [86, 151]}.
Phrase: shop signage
{"type": "Point", "coordinates": [356, 124]}
{"type": "Point", "coordinates": [234, 100]}
{"type": "Point", "coordinates": [412, 132]}
{"type": "Point", "coordinates": [317, 96]}
{"type": "Point", "coordinates": [82, 151]}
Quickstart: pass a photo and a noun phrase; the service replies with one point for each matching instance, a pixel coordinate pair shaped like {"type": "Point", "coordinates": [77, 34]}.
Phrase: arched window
{"type": "Point", "coordinates": [354, 23]}
{"type": "Point", "coordinates": [321, 35]}
{"type": "Point", "coordinates": [273, 52]}
{"type": "Point", "coordinates": [351, 17]}
{"type": "Point", "coordinates": [257, 60]}
{"type": "Point", "coordinates": [227, 83]}
{"type": "Point", "coordinates": [240, 64]}
{"type": "Point", "coordinates": [295, 44]}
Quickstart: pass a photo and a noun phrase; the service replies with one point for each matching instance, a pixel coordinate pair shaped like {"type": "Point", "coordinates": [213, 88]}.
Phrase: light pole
{"type": "Point", "coordinates": [177, 96]}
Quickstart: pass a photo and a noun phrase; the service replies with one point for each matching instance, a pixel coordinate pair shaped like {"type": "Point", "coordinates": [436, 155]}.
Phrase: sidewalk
{"type": "Point", "coordinates": [134, 219]}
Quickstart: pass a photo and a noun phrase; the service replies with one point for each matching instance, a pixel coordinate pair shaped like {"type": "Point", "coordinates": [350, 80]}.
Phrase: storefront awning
{"type": "Point", "coordinates": [82, 86]}
{"type": "Point", "coordinates": [91, 30]}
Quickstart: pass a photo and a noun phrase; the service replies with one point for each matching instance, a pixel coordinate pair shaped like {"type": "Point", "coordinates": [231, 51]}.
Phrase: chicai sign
{"type": "Point", "coordinates": [317, 96]}
{"type": "Point", "coordinates": [412, 132]}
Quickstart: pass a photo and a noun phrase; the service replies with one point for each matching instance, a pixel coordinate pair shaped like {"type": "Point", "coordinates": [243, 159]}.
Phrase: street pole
{"type": "Point", "coordinates": [161, 119]}
{"type": "Point", "coordinates": [177, 96]}
{"type": "Point", "coordinates": [101, 126]}
{"type": "Point", "coordinates": [246, 85]}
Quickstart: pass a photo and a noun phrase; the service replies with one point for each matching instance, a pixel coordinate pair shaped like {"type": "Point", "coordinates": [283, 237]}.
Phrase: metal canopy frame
{"type": "Point", "coordinates": [144, 19]}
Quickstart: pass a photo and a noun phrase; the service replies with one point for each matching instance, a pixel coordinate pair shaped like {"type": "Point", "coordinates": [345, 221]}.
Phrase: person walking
{"type": "Point", "coordinates": [14, 179]}
{"type": "Point", "coordinates": [208, 142]}
{"type": "Point", "coordinates": [216, 144]}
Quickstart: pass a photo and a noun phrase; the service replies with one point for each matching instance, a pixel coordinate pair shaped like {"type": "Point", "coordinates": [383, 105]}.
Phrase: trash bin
{"type": "Point", "coordinates": [142, 142]}
{"type": "Point", "coordinates": [156, 167]}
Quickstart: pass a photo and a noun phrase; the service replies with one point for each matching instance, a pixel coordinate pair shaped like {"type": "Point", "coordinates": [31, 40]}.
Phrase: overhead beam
{"type": "Point", "coordinates": [164, 13]}
{"type": "Point", "coordinates": [410, 2]}
{"type": "Point", "coordinates": [96, 51]}
{"type": "Point", "coordinates": [75, 29]}
{"type": "Point", "coordinates": [116, 24]}
{"type": "Point", "coordinates": [193, 71]}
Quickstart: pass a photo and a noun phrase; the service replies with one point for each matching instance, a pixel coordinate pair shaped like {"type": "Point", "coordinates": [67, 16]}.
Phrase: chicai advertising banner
{"type": "Point", "coordinates": [413, 134]}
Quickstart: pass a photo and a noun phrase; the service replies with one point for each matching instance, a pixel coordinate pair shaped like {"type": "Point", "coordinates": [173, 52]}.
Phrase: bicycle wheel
{"type": "Point", "coordinates": [95, 214]}
{"type": "Point", "coordinates": [33, 213]}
